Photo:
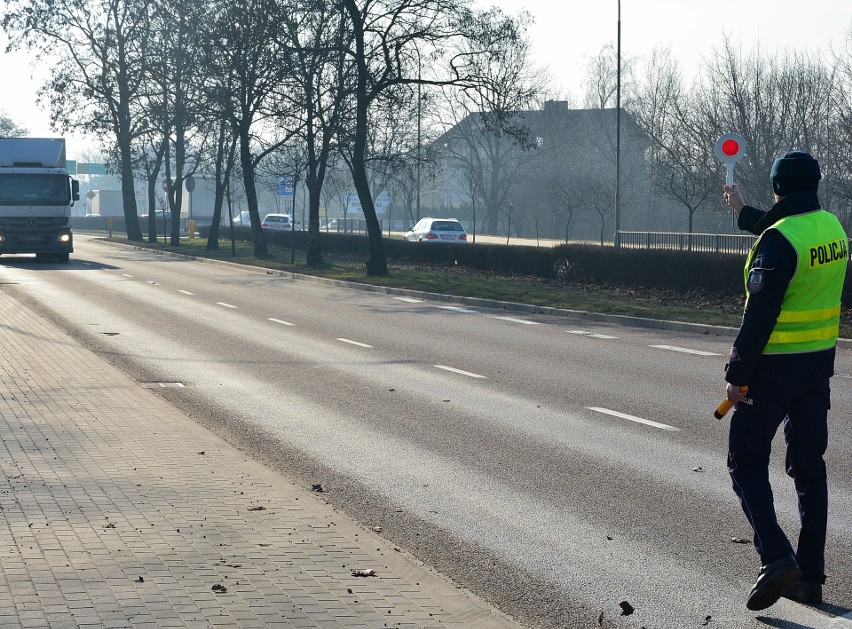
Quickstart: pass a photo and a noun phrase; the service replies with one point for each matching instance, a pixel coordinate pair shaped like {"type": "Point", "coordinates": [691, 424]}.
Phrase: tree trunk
{"type": "Point", "coordinates": [128, 192]}
{"type": "Point", "coordinates": [247, 163]}
{"type": "Point", "coordinates": [313, 255]}
{"type": "Point", "coordinates": [377, 264]}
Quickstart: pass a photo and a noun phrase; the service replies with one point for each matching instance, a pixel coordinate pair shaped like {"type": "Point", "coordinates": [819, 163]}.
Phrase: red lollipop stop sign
{"type": "Point", "coordinates": [730, 149]}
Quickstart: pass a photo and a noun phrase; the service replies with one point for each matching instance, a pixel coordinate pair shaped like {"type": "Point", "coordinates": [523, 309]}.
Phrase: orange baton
{"type": "Point", "coordinates": [725, 406]}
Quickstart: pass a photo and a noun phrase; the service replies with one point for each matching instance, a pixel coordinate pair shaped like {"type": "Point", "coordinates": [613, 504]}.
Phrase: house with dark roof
{"type": "Point", "coordinates": [549, 172]}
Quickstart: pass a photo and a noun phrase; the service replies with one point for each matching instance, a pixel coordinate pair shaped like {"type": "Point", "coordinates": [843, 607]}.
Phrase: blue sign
{"type": "Point", "coordinates": [284, 187]}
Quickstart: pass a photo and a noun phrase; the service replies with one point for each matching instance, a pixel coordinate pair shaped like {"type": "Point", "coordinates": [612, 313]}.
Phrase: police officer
{"type": "Point", "coordinates": [779, 369]}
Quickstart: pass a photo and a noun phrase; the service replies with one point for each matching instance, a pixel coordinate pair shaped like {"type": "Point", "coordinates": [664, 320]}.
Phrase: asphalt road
{"type": "Point", "coordinates": [557, 468]}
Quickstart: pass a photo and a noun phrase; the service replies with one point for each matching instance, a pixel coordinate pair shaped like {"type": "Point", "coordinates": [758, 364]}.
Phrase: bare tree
{"type": "Point", "coordinates": [177, 79]}
{"type": "Point", "coordinates": [751, 95]}
{"type": "Point", "coordinates": [841, 164]}
{"type": "Point", "coordinates": [9, 128]}
{"type": "Point", "coordinates": [682, 166]}
{"type": "Point", "coordinates": [317, 89]}
{"type": "Point", "coordinates": [224, 151]}
{"type": "Point", "coordinates": [491, 140]}
{"type": "Point", "coordinates": [104, 47]}
{"type": "Point", "coordinates": [249, 62]}
{"type": "Point", "coordinates": [150, 150]}
{"type": "Point", "coordinates": [388, 37]}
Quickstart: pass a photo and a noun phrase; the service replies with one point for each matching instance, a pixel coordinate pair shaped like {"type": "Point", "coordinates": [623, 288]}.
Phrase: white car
{"type": "Point", "coordinates": [279, 222]}
{"type": "Point", "coordinates": [447, 230]}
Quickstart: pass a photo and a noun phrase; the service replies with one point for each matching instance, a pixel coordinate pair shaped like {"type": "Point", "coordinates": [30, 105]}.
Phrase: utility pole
{"type": "Point", "coordinates": [419, 140]}
{"type": "Point", "coordinates": [616, 238]}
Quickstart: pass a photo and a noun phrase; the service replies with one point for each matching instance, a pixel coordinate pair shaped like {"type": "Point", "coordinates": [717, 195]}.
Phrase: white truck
{"type": "Point", "coordinates": [36, 195]}
{"type": "Point", "coordinates": [107, 203]}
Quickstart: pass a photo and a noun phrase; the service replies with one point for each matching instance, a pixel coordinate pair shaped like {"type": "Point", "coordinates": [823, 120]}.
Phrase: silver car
{"type": "Point", "coordinates": [280, 222]}
{"type": "Point", "coordinates": [447, 230]}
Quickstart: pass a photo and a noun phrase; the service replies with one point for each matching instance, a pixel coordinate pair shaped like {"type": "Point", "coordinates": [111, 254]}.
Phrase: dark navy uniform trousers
{"type": "Point", "coordinates": [803, 409]}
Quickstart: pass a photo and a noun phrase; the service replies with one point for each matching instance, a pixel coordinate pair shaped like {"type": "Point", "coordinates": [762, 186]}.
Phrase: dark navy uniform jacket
{"type": "Point", "coordinates": [770, 273]}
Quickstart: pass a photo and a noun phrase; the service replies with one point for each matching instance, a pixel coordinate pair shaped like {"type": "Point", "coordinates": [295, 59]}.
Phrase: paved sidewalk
{"type": "Point", "coordinates": [118, 511]}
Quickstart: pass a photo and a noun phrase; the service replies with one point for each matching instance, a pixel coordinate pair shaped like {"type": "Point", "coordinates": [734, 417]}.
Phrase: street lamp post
{"type": "Point", "coordinates": [419, 87]}
{"type": "Point", "coordinates": [616, 239]}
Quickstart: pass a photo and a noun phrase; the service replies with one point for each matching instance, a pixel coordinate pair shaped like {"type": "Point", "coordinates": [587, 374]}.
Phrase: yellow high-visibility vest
{"type": "Point", "coordinates": [810, 313]}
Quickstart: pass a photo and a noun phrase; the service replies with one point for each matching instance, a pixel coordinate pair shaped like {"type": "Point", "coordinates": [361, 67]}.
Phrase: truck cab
{"type": "Point", "coordinates": [36, 196]}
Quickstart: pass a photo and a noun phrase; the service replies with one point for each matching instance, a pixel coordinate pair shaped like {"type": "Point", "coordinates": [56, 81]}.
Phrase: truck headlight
{"type": "Point", "coordinates": [64, 237]}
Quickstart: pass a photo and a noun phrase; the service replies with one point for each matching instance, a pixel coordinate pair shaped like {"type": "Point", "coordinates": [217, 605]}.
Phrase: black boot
{"type": "Point", "coordinates": [774, 578]}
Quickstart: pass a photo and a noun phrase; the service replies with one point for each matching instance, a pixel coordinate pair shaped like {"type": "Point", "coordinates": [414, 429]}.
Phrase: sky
{"type": "Point", "coordinates": [567, 33]}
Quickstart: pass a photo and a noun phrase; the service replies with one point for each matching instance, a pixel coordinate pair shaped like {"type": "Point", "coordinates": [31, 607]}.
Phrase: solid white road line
{"type": "Point", "coordinates": [409, 300]}
{"type": "Point", "coordinates": [524, 321]}
{"type": "Point", "coordinates": [459, 371]}
{"type": "Point", "coordinates": [185, 292]}
{"type": "Point", "coordinates": [457, 309]}
{"type": "Point", "coordinates": [841, 622]}
{"type": "Point", "coordinates": [592, 335]}
{"type": "Point", "coordinates": [126, 275]}
{"type": "Point", "coordinates": [684, 350]}
{"type": "Point", "coordinates": [633, 418]}
{"type": "Point", "coordinates": [354, 343]}
{"type": "Point", "coordinates": [280, 321]}
{"type": "Point", "coordinates": [222, 303]}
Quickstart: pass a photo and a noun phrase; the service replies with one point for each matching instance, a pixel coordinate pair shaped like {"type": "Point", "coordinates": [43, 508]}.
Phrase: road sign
{"type": "Point", "coordinates": [730, 149]}
{"type": "Point", "coordinates": [284, 187]}
{"type": "Point", "coordinates": [84, 168]}
{"type": "Point", "coordinates": [189, 182]}
{"type": "Point", "coordinates": [383, 202]}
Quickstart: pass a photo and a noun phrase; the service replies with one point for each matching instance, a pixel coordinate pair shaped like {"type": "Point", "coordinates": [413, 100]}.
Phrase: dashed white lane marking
{"type": "Point", "coordinates": [592, 335]}
{"type": "Point", "coordinates": [524, 321]}
{"type": "Point", "coordinates": [280, 321]}
{"type": "Point", "coordinates": [633, 418]}
{"type": "Point", "coordinates": [684, 350]}
{"type": "Point", "coordinates": [354, 343]}
{"type": "Point", "coordinates": [152, 283]}
{"type": "Point", "coordinates": [185, 292]}
{"type": "Point", "coordinates": [457, 309]}
{"type": "Point", "coordinates": [459, 371]}
{"type": "Point", "coordinates": [126, 275]}
{"type": "Point", "coordinates": [409, 300]}
{"type": "Point", "coordinates": [222, 303]}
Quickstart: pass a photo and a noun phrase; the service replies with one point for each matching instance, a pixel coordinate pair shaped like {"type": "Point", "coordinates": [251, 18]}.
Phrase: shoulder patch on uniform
{"type": "Point", "coordinates": [756, 278]}
{"type": "Point", "coordinates": [734, 355]}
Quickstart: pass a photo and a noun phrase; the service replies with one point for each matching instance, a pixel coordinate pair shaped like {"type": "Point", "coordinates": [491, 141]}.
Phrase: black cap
{"type": "Point", "coordinates": [793, 172]}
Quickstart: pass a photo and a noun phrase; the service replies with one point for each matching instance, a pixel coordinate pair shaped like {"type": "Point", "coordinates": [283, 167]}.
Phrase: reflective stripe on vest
{"type": "Point", "coordinates": [810, 313]}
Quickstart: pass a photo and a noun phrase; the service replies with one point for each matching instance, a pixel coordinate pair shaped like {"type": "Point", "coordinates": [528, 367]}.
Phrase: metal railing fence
{"type": "Point", "coordinates": [675, 241]}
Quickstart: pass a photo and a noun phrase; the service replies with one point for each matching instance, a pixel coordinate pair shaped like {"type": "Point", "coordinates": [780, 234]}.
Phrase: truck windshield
{"type": "Point", "coordinates": [34, 189]}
